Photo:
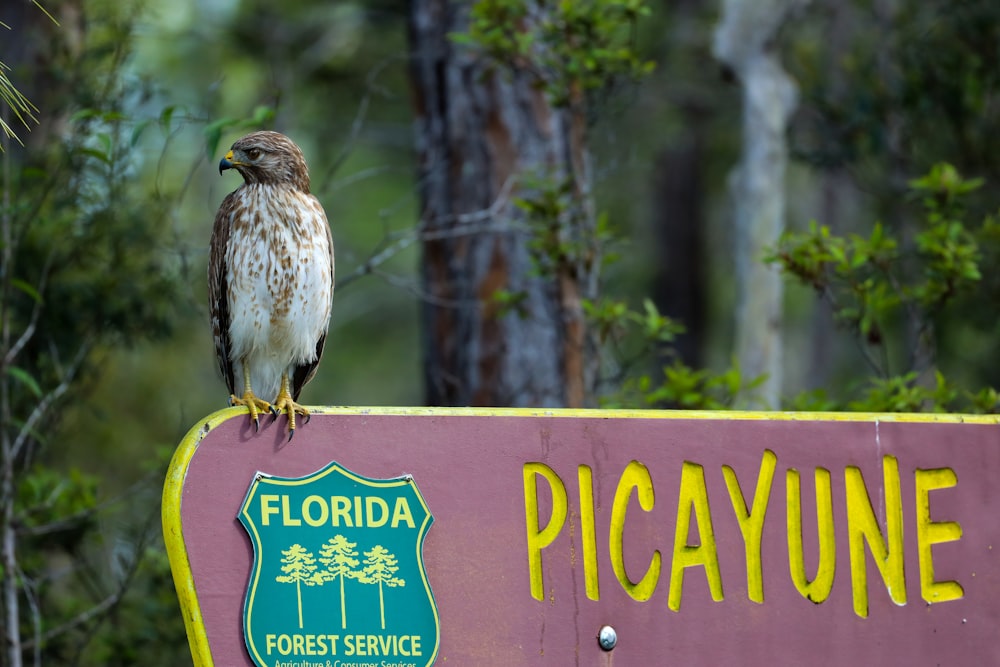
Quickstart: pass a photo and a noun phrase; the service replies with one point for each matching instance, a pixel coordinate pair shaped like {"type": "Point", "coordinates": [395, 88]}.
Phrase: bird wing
{"type": "Point", "coordinates": [305, 372]}
{"type": "Point", "coordinates": [218, 288]}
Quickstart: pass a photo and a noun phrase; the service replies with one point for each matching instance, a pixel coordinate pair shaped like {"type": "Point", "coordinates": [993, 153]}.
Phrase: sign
{"type": "Point", "coordinates": [338, 571]}
{"type": "Point", "coordinates": [602, 537]}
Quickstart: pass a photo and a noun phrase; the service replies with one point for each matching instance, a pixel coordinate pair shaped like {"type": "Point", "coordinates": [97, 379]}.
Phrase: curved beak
{"type": "Point", "coordinates": [226, 162]}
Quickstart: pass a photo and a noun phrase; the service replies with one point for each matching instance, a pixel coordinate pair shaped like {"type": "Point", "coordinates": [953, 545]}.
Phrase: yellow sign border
{"type": "Point", "coordinates": [173, 486]}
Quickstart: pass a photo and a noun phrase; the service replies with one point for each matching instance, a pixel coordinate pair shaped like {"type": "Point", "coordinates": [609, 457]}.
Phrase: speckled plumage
{"type": "Point", "coordinates": [270, 272]}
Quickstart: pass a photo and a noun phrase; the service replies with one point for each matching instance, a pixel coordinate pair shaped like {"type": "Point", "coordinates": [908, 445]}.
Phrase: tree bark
{"type": "Point", "coordinates": [502, 325]}
{"type": "Point", "coordinates": [744, 42]}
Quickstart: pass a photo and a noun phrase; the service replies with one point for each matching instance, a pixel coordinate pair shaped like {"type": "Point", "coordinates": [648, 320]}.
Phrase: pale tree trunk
{"type": "Point", "coordinates": [744, 42]}
{"type": "Point", "coordinates": [501, 325]}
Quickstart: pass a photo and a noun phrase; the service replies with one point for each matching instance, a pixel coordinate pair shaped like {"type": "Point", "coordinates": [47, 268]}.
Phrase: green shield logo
{"type": "Point", "coordinates": [338, 572]}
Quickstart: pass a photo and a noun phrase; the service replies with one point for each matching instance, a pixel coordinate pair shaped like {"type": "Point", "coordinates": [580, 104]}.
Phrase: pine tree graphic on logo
{"type": "Point", "coordinates": [338, 555]}
{"type": "Point", "coordinates": [299, 567]}
{"type": "Point", "coordinates": [380, 566]}
{"type": "Point", "coordinates": [337, 537]}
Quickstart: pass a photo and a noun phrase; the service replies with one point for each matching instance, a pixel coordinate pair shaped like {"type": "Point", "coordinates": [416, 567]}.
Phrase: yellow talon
{"type": "Point", "coordinates": [254, 404]}
{"type": "Point", "coordinates": [285, 403]}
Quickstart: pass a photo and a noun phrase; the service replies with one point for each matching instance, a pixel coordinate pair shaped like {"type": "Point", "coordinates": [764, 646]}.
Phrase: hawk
{"type": "Point", "coordinates": [270, 277]}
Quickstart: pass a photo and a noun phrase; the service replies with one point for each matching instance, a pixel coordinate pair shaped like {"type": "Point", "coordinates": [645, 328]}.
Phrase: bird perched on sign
{"type": "Point", "coordinates": [270, 277]}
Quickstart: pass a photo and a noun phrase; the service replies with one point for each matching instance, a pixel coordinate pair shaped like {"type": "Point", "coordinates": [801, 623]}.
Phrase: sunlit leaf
{"type": "Point", "coordinates": [26, 379]}
{"type": "Point", "coordinates": [26, 288]}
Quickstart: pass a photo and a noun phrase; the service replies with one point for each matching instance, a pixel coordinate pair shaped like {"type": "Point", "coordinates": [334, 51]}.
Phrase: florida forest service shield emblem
{"type": "Point", "coordinates": [338, 575]}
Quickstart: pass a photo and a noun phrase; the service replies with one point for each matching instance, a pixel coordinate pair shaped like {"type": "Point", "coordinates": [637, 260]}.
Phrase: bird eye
{"type": "Point", "coordinates": [253, 153]}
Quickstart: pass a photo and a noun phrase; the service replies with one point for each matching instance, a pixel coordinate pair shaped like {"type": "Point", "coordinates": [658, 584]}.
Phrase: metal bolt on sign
{"type": "Point", "coordinates": [607, 637]}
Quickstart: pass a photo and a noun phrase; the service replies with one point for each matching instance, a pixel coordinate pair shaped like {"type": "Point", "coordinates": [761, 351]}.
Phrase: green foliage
{"type": "Point", "coordinates": [873, 284]}
{"type": "Point", "coordinates": [909, 86]}
{"type": "Point", "coordinates": [852, 272]}
{"type": "Point", "coordinates": [573, 47]}
{"type": "Point", "coordinates": [561, 234]}
{"type": "Point", "coordinates": [902, 393]}
{"type": "Point", "coordinates": [902, 96]}
{"type": "Point", "coordinates": [143, 629]}
{"type": "Point", "coordinates": [89, 264]}
{"type": "Point", "coordinates": [631, 337]}
{"type": "Point", "coordinates": [511, 302]}
{"type": "Point", "coordinates": [884, 288]}
{"type": "Point", "coordinates": [562, 240]}
{"type": "Point", "coordinates": [949, 250]}
{"type": "Point", "coordinates": [867, 280]}
{"type": "Point", "coordinates": [685, 388]}
{"type": "Point", "coordinates": [49, 499]}
{"type": "Point", "coordinates": [613, 321]}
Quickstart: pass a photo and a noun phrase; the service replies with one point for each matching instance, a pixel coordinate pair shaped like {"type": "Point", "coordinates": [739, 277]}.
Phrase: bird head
{"type": "Point", "coordinates": [268, 158]}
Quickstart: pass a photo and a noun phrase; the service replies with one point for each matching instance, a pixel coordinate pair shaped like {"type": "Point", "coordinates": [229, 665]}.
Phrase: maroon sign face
{"type": "Point", "coordinates": [691, 539]}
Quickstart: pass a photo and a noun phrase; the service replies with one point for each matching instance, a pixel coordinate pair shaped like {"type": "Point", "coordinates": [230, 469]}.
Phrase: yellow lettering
{"type": "Point", "coordinates": [752, 521]}
{"type": "Point", "coordinates": [401, 512]}
{"type": "Point", "coordinates": [819, 588]}
{"type": "Point", "coordinates": [538, 538]}
{"type": "Point", "coordinates": [934, 532]}
{"type": "Point", "coordinates": [370, 503]}
{"type": "Point", "coordinates": [286, 517]}
{"type": "Point", "coordinates": [340, 511]}
{"type": "Point", "coordinates": [693, 496]}
{"type": "Point", "coordinates": [267, 508]}
{"type": "Point", "coordinates": [588, 535]}
{"type": "Point", "coordinates": [324, 511]}
{"type": "Point", "coordinates": [862, 527]}
{"type": "Point", "coordinates": [358, 521]}
{"type": "Point", "coordinates": [308, 644]}
{"type": "Point", "coordinates": [635, 476]}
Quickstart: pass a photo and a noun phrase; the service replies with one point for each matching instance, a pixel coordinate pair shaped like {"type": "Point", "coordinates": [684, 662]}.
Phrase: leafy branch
{"type": "Point", "coordinates": [572, 48]}
{"type": "Point", "coordinates": [873, 282]}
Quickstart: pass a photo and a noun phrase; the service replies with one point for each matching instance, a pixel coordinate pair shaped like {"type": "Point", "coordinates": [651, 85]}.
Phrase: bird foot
{"type": "Point", "coordinates": [254, 405]}
{"type": "Point", "coordinates": [285, 403]}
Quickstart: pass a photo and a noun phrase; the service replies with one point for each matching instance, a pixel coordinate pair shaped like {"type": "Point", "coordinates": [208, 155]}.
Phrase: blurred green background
{"type": "Point", "coordinates": [885, 93]}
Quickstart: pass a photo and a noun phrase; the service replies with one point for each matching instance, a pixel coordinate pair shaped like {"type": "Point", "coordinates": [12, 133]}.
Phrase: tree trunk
{"type": "Point", "coordinates": [502, 320]}
{"type": "Point", "coordinates": [679, 224]}
{"type": "Point", "coordinates": [744, 42]}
